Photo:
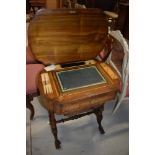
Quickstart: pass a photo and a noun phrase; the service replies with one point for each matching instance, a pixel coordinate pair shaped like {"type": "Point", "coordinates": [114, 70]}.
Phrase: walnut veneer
{"type": "Point", "coordinates": [65, 36]}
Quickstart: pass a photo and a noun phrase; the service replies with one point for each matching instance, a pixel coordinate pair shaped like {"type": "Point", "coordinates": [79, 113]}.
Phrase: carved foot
{"type": "Point", "coordinates": [99, 117]}
{"type": "Point", "coordinates": [101, 130]}
{"type": "Point", "coordinates": [57, 141]}
{"type": "Point", "coordinates": [54, 129]}
{"type": "Point", "coordinates": [57, 144]}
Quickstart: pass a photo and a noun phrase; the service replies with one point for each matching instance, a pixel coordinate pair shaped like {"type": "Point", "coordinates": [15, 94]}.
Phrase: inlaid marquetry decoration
{"type": "Point", "coordinates": [109, 71]}
{"type": "Point", "coordinates": [73, 83]}
{"type": "Point", "coordinates": [46, 83]}
{"type": "Point", "coordinates": [88, 62]}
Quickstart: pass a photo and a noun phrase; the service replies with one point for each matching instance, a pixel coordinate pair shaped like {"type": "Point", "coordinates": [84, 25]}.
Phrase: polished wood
{"type": "Point", "coordinates": [52, 4]}
{"type": "Point", "coordinates": [65, 35]}
{"type": "Point", "coordinates": [81, 102]}
{"type": "Point", "coordinates": [71, 36]}
{"type": "Point", "coordinates": [99, 117]}
{"type": "Point", "coordinates": [75, 101]}
{"type": "Point", "coordinates": [53, 122]}
{"type": "Point", "coordinates": [75, 117]}
{"type": "Point", "coordinates": [54, 129]}
{"type": "Point", "coordinates": [97, 112]}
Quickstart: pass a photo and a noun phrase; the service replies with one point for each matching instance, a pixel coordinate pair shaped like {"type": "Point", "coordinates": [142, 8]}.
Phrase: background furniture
{"type": "Point", "coordinates": [32, 71]}
{"type": "Point", "coordinates": [123, 20]}
{"type": "Point", "coordinates": [124, 71]}
{"type": "Point", "coordinates": [37, 4]}
{"type": "Point", "coordinates": [119, 59]}
{"type": "Point", "coordinates": [121, 7]}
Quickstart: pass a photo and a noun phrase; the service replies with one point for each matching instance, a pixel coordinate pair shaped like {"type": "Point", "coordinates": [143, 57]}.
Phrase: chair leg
{"type": "Point", "coordinates": [54, 129]}
{"type": "Point", "coordinates": [99, 117]}
{"type": "Point", "coordinates": [30, 106]}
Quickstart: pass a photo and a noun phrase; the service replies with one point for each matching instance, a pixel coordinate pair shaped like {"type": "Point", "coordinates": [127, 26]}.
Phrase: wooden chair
{"type": "Point", "coordinates": [119, 58]}
{"type": "Point", "coordinates": [32, 72]}
{"type": "Point", "coordinates": [122, 69]}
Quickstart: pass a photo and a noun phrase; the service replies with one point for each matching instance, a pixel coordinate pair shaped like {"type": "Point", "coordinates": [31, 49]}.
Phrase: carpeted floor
{"type": "Point", "coordinates": [81, 136]}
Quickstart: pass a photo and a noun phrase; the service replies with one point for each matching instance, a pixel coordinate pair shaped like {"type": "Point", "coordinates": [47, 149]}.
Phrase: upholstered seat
{"type": "Point", "coordinates": [32, 72]}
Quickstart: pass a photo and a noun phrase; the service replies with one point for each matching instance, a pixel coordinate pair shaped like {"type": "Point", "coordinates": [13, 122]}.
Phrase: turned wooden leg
{"type": "Point", "coordinates": [54, 129]}
{"type": "Point", "coordinates": [30, 106]}
{"type": "Point", "coordinates": [98, 113]}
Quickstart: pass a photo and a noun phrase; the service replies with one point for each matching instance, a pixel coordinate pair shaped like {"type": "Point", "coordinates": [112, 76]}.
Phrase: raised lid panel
{"type": "Point", "coordinates": [66, 35]}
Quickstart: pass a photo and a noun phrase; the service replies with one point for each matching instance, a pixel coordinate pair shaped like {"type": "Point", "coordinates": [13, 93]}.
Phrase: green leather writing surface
{"type": "Point", "coordinates": [79, 78]}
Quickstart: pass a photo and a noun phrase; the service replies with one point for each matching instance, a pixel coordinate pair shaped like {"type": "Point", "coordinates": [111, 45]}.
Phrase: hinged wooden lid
{"type": "Point", "coordinates": [66, 35]}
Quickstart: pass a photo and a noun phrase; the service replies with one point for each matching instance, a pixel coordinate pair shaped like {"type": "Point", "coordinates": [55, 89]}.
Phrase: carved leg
{"type": "Point", "coordinates": [98, 113]}
{"type": "Point", "coordinates": [29, 98]}
{"type": "Point", "coordinates": [54, 129]}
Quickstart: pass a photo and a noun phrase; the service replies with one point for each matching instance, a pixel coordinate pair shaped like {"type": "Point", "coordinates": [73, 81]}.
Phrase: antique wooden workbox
{"type": "Point", "coordinates": [70, 40]}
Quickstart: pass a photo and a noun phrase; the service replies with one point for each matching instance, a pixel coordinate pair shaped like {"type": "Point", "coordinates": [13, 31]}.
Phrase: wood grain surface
{"type": "Point", "coordinates": [66, 35]}
{"type": "Point", "coordinates": [83, 99]}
